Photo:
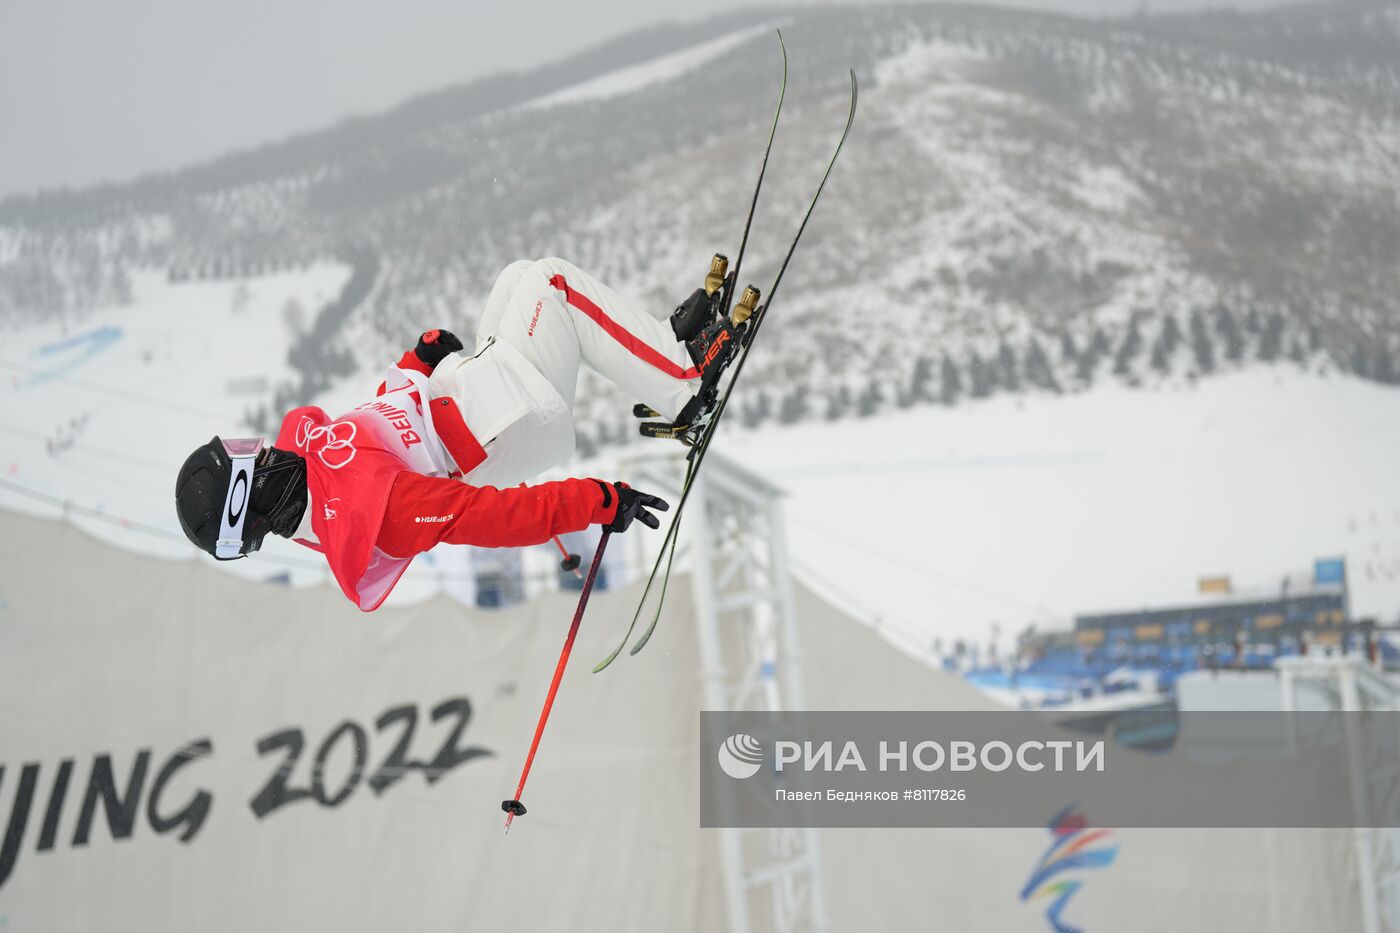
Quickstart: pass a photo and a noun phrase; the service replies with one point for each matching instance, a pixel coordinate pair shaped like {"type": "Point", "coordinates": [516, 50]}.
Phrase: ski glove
{"type": "Point", "coordinates": [434, 346]}
{"type": "Point", "coordinates": [631, 505]}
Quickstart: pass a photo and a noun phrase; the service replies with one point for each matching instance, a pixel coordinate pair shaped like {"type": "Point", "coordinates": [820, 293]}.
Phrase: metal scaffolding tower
{"type": "Point", "coordinates": [1352, 685]}
{"type": "Point", "coordinates": [735, 537]}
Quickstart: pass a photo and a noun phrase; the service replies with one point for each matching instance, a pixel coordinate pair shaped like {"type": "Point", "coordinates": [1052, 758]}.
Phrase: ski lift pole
{"type": "Point", "coordinates": [514, 807]}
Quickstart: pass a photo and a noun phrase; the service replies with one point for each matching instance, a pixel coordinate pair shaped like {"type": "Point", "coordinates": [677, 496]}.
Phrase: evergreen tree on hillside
{"type": "Point", "coordinates": [921, 383]}
{"type": "Point", "coordinates": [870, 399]}
{"type": "Point", "coordinates": [838, 404]}
{"type": "Point", "coordinates": [1089, 359]}
{"type": "Point", "coordinates": [1229, 330]}
{"type": "Point", "coordinates": [758, 411]}
{"type": "Point", "coordinates": [1164, 347]}
{"type": "Point", "coordinates": [1383, 371]}
{"type": "Point", "coordinates": [1297, 352]}
{"type": "Point", "coordinates": [584, 443]}
{"type": "Point", "coordinates": [1008, 371]}
{"type": "Point", "coordinates": [1360, 361]}
{"type": "Point", "coordinates": [1202, 350]}
{"type": "Point", "coordinates": [1128, 350]}
{"type": "Point", "coordinates": [1271, 338]}
{"type": "Point", "coordinates": [950, 382]}
{"type": "Point", "coordinates": [793, 407]}
{"type": "Point", "coordinates": [1374, 361]}
{"type": "Point", "coordinates": [982, 374]}
{"type": "Point", "coordinates": [1252, 322]}
{"type": "Point", "coordinates": [1038, 370]}
{"type": "Point", "coordinates": [1069, 351]}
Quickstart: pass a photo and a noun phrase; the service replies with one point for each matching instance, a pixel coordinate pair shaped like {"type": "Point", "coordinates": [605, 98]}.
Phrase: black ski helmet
{"type": "Point", "coordinates": [214, 495]}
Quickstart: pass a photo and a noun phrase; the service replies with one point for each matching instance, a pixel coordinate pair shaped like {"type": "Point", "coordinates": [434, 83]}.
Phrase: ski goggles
{"type": "Point", "coordinates": [243, 455]}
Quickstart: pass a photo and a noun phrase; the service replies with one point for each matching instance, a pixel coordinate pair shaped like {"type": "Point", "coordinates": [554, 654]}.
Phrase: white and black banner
{"type": "Point", "coordinates": [183, 750]}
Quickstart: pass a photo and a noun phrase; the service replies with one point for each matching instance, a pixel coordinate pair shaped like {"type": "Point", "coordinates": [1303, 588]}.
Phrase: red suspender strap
{"type": "Point", "coordinates": [622, 335]}
{"type": "Point", "coordinates": [461, 444]}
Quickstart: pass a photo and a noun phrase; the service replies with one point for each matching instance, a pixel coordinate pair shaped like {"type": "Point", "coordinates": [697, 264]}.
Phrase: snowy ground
{"type": "Point", "coordinates": [939, 523]}
{"type": "Point", "coordinates": [943, 523]}
{"type": "Point", "coordinates": [102, 413]}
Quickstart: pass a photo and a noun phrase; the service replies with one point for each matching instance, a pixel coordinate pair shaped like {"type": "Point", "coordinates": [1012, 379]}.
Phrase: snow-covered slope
{"type": "Point", "coordinates": [634, 78]}
{"type": "Point", "coordinates": [103, 413]}
{"type": "Point", "coordinates": [942, 523]}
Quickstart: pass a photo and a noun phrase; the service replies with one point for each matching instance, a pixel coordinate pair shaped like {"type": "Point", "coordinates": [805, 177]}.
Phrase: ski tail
{"type": "Point", "coordinates": [670, 537]}
{"type": "Point", "coordinates": [697, 453]}
{"type": "Point", "coordinates": [778, 280]}
{"type": "Point", "coordinates": [671, 531]}
{"type": "Point", "coordinates": [762, 171]}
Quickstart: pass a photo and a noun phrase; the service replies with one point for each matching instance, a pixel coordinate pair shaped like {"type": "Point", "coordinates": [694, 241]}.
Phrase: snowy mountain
{"type": "Point", "coordinates": [1029, 202]}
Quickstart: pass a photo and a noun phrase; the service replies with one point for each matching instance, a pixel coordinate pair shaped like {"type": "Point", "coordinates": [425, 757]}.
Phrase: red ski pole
{"type": "Point", "coordinates": [514, 807]}
{"type": "Point", "coordinates": [570, 561]}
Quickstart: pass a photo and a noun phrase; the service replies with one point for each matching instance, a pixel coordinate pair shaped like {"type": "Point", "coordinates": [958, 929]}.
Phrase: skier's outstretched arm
{"type": "Point", "coordinates": [424, 511]}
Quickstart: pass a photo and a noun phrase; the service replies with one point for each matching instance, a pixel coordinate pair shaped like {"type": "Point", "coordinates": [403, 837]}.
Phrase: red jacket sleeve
{"type": "Point", "coordinates": [424, 511]}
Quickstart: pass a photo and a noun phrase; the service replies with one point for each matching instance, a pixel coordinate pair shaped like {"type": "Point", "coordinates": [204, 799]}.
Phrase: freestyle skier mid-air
{"type": "Point", "coordinates": [438, 455]}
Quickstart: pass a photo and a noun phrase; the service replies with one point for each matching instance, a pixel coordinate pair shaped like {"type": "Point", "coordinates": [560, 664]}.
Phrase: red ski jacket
{"type": "Point", "coordinates": [372, 509]}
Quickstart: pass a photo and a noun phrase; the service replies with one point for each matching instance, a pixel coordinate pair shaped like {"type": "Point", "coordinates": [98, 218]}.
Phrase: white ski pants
{"type": "Point", "coordinates": [555, 314]}
{"type": "Point", "coordinates": [541, 320]}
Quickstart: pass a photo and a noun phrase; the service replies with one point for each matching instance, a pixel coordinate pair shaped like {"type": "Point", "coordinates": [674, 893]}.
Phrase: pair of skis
{"type": "Point", "coordinates": [513, 807]}
{"type": "Point", "coordinates": [696, 457]}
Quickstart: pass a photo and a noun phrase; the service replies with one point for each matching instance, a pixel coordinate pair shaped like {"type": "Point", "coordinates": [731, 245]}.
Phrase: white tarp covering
{"type": "Point", "coordinates": [115, 662]}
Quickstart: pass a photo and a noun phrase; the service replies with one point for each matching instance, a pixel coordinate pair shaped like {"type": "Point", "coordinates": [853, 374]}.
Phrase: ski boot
{"type": "Point", "coordinates": [712, 340]}
{"type": "Point", "coordinates": [704, 305]}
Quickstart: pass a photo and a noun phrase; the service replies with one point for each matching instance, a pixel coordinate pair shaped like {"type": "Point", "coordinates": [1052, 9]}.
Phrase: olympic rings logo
{"type": "Point", "coordinates": [337, 451]}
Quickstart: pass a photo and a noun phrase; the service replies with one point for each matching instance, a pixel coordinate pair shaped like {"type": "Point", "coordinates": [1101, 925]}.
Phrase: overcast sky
{"type": "Point", "coordinates": [104, 90]}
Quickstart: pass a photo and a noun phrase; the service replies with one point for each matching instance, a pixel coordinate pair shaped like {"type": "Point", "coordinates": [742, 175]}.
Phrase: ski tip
{"type": "Point", "coordinates": [602, 665]}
